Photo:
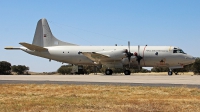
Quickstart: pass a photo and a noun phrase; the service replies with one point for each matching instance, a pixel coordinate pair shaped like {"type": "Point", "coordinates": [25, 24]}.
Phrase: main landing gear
{"type": "Point", "coordinates": [109, 72]}
{"type": "Point", "coordinates": [127, 72]}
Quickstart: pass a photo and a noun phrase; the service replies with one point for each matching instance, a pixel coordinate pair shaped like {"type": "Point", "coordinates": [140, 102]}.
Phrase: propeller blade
{"type": "Point", "coordinates": [138, 50]}
{"type": "Point", "coordinates": [129, 54]}
{"type": "Point", "coordinates": [129, 46]}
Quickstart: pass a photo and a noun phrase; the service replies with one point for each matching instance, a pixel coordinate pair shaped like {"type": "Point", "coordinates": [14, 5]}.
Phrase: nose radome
{"type": "Point", "coordinates": [193, 59]}
{"type": "Point", "coordinates": [190, 58]}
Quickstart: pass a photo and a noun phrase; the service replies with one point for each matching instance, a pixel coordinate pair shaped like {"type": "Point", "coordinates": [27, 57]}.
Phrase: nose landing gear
{"type": "Point", "coordinates": [170, 73]}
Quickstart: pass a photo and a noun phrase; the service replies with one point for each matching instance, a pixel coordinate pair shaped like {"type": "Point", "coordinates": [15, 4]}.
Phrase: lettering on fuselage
{"type": "Point", "coordinates": [157, 51]}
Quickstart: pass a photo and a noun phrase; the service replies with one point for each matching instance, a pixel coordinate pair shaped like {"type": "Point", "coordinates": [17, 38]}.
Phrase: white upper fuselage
{"type": "Point", "coordinates": [152, 55]}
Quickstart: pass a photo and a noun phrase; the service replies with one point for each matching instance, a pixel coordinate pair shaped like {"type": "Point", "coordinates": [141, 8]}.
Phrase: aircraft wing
{"type": "Point", "coordinates": [105, 56]}
{"type": "Point", "coordinates": [33, 47]}
{"type": "Point", "coordinates": [96, 57]}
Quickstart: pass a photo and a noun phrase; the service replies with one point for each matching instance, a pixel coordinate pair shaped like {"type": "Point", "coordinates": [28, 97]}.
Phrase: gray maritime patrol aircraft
{"type": "Point", "coordinates": [47, 46]}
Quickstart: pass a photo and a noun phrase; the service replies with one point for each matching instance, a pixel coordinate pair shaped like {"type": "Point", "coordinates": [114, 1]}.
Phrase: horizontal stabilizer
{"type": "Point", "coordinates": [12, 48]}
{"type": "Point", "coordinates": [33, 47]}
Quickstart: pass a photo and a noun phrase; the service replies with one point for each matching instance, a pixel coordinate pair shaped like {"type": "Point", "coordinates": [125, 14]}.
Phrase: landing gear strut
{"type": "Point", "coordinates": [108, 72]}
{"type": "Point", "coordinates": [127, 72]}
{"type": "Point", "coordinates": [170, 71]}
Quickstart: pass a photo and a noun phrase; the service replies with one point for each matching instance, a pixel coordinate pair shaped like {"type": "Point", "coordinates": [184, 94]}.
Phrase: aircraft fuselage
{"type": "Point", "coordinates": [152, 55]}
{"type": "Point", "coordinates": [46, 45]}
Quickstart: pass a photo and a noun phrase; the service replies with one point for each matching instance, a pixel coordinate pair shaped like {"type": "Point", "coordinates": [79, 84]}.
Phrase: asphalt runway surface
{"type": "Point", "coordinates": [153, 81]}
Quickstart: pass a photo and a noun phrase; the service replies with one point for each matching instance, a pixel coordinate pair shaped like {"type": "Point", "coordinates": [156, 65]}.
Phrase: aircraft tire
{"type": "Point", "coordinates": [170, 73]}
{"type": "Point", "coordinates": [108, 72]}
{"type": "Point", "coordinates": [127, 72]}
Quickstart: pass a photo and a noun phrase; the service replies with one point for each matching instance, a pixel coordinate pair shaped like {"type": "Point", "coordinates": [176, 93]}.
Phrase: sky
{"type": "Point", "coordinates": [99, 22]}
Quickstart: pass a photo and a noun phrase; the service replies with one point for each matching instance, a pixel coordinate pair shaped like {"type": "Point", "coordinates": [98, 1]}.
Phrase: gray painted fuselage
{"type": "Point", "coordinates": [46, 45]}
{"type": "Point", "coordinates": [70, 54]}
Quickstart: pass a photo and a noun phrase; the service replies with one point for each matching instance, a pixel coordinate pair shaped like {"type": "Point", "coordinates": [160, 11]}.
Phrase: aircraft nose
{"type": "Point", "coordinates": [193, 59]}
{"type": "Point", "coordinates": [190, 59]}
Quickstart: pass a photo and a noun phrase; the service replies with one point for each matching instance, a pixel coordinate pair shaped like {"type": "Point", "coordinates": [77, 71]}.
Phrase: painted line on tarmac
{"type": "Point", "coordinates": [98, 83]}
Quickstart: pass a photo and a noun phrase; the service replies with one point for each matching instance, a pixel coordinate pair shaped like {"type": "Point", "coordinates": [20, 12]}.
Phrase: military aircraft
{"type": "Point", "coordinates": [47, 46]}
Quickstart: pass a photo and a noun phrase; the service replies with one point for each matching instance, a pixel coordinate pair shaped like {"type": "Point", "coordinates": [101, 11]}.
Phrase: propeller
{"type": "Point", "coordinates": [128, 53]}
{"type": "Point", "coordinates": [138, 57]}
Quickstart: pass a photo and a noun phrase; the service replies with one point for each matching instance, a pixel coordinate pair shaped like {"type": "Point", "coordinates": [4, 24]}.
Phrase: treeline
{"type": "Point", "coordinates": [195, 67]}
{"type": "Point", "coordinates": [7, 69]}
{"type": "Point", "coordinates": [67, 69]}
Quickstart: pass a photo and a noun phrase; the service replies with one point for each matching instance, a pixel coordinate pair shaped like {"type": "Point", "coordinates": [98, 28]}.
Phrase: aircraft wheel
{"type": "Point", "coordinates": [127, 72]}
{"type": "Point", "coordinates": [108, 72]}
{"type": "Point", "coordinates": [170, 73]}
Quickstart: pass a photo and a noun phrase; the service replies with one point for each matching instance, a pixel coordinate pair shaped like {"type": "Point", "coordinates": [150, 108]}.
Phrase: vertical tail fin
{"type": "Point", "coordinates": [44, 38]}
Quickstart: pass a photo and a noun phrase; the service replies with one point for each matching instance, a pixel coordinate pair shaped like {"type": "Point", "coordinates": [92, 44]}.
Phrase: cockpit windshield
{"type": "Point", "coordinates": [178, 51]}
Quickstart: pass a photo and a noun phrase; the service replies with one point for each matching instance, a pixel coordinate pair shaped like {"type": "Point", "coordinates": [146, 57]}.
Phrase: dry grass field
{"type": "Point", "coordinates": [89, 98]}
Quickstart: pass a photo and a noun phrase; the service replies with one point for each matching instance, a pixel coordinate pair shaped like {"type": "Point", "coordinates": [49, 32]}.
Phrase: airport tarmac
{"type": "Point", "coordinates": [163, 81]}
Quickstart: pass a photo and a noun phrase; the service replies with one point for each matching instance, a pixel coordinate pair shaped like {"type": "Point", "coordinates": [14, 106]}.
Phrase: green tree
{"type": "Point", "coordinates": [160, 69]}
{"type": "Point", "coordinates": [103, 69]}
{"type": "Point", "coordinates": [20, 69]}
{"type": "Point", "coordinates": [136, 70]}
{"type": "Point", "coordinates": [5, 68]}
{"type": "Point", "coordinates": [145, 70]}
{"type": "Point", "coordinates": [186, 68]}
{"type": "Point", "coordinates": [118, 70]}
{"type": "Point", "coordinates": [65, 69]}
{"type": "Point", "coordinates": [91, 69]}
{"type": "Point", "coordinates": [196, 66]}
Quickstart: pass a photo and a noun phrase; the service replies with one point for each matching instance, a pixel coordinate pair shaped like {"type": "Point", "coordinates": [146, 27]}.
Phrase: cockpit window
{"type": "Point", "coordinates": [178, 51]}
{"type": "Point", "coordinates": [175, 51]}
